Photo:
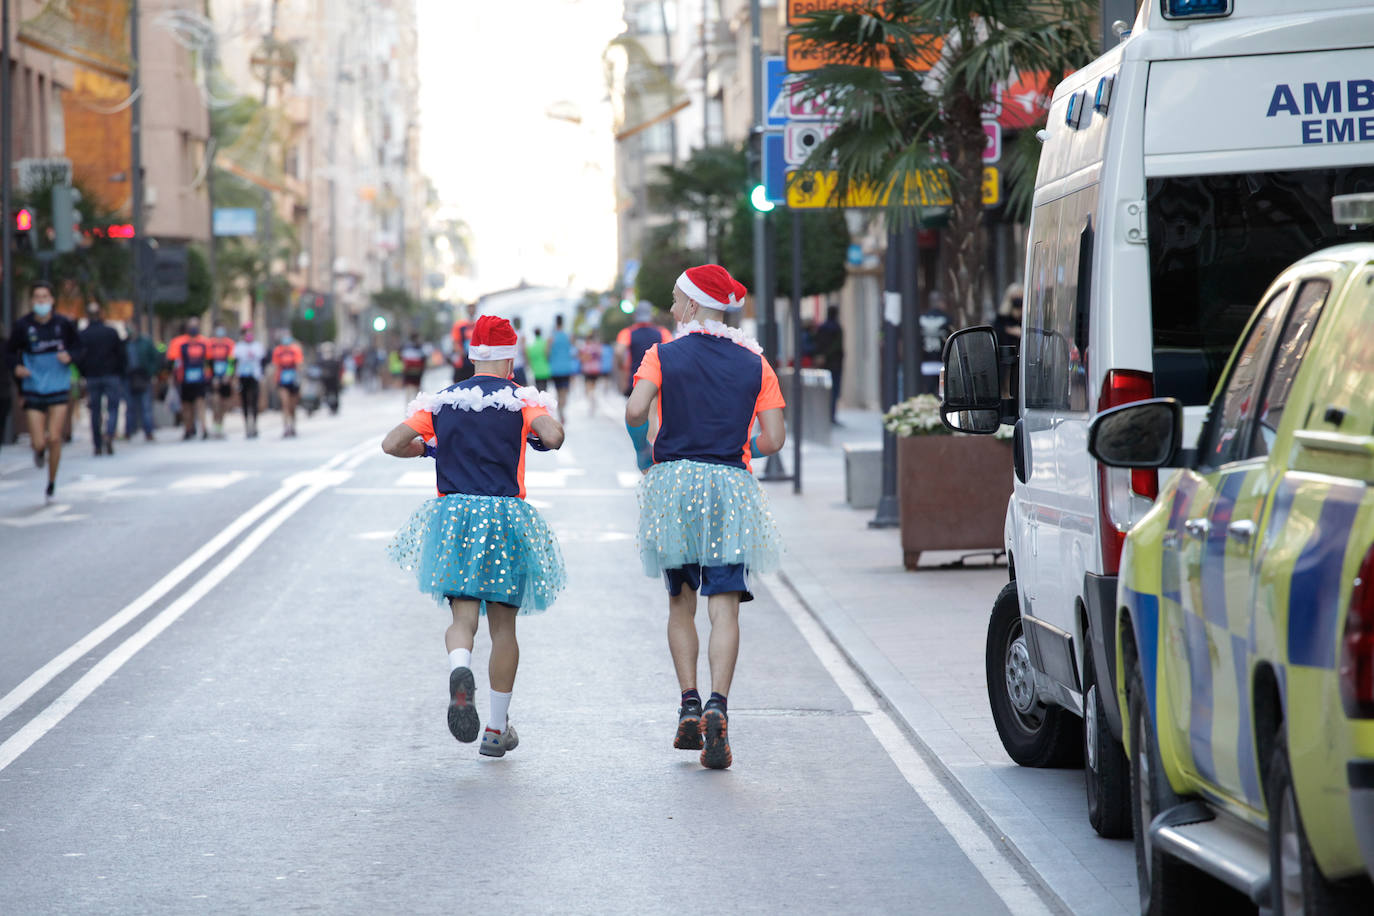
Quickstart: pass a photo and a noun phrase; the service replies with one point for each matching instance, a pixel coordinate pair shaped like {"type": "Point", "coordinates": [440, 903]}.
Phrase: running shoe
{"type": "Point", "coordinates": [495, 744]}
{"type": "Point", "coordinates": [714, 727]}
{"type": "Point", "coordinates": [688, 727]}
{"type": "Point", "coordinates": [462, 714]}
{"type": "Point", "coordinates": [48, 496]}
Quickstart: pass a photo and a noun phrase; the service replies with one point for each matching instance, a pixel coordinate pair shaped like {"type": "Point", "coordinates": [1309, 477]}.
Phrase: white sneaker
{"type": "Point", "coordinates": [495, 744]}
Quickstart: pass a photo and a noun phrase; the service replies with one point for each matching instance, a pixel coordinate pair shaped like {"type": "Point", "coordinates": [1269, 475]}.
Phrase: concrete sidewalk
{"type": "Point", "coordinates": [918, 637]}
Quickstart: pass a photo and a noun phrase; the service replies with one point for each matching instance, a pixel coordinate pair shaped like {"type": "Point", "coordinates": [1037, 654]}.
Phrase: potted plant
{"type": "Point", "coordinates": [952, 489]}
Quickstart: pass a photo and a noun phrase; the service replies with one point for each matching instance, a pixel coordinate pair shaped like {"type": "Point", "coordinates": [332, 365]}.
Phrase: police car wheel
{"type": "Point", "coordinates": [1033, 733]}
{"type": "Point", "coordinates": [1296, 884]}
{"type": "Point", "coordinates": [1165, 884]}
{"type": "Point", "coordinates": [1105, 771]}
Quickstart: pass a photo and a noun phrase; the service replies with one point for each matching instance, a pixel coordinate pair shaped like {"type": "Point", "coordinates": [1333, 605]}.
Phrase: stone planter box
{"type": "Point", "coordinates": [953, 493]}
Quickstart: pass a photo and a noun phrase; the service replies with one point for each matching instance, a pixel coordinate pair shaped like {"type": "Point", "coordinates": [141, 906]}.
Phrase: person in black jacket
{"type": "Point", "coordinates": [40, 351]}
{"type": "Point", "coordinates": [102, 362]}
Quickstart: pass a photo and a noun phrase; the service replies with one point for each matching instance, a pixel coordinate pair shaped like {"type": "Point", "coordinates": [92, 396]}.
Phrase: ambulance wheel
{"type": "Point", "coordinates": [1034, 733]}
{"type": "Point", "coordinates": [1105, 771]}
{"type": "Point", "coordinates": [1166, 885]}
{"type": "Point", "coordinates": [1296, 884]}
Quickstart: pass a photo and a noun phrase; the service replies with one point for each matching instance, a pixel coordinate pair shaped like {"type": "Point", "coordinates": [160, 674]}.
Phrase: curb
{"type": "Point", "coordinates": [992, 802]}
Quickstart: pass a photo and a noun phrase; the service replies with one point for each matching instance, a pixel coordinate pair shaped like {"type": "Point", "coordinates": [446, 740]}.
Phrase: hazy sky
{"type": "Point", "coordinates": [538, 192]}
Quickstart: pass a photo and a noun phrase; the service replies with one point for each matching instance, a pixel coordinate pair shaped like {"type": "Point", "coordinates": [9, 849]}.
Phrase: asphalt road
{"type": "Point", "coordinates": [217, 695]}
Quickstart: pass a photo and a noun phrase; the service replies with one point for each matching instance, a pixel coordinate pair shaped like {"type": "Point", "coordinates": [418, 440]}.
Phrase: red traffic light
{"type": "Point", "coordinates": [121, 231]}
{"type": "Point", "coordinates": [23, 220]}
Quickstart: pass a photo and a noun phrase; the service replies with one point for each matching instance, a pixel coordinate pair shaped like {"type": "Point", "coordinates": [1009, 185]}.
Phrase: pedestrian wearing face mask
{"type": "Point", "coordinates": [248, 359]}
{"type": "Point", "coordinates": [40, 352]}
{"type": "Point", "coordinates": [189, 354]}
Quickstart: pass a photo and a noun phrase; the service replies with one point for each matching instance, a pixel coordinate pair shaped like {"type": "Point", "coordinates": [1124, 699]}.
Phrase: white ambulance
{"type": "Point", "coordinates": [1180, 173]}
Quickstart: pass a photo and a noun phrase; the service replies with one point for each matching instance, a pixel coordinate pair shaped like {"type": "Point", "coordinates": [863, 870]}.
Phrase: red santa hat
{"type": "Point", "coordinates": [492, 338]}
{"type": "Point", "coordinates": [712, 287]}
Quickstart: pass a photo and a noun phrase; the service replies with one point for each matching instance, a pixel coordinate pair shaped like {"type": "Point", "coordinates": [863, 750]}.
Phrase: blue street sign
{"type": "Point", "coordinates": [774, 168]}
{"type": "Point", "coordinates": [774, 101]}
{"type": "Point", "coordinates": [236, 221]}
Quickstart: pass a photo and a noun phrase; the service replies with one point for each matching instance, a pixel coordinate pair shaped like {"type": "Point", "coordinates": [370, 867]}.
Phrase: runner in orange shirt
{"type": "Point", "coordinates": [221, 377]}
{"type": "Point", "coordinates": [189, 354]}
{"type": "Point", "coordinates": [633, 342]}
{"type": "Point", "coordinates": [462, 333]}
{"type": "Point", "coordinates": [288, 361]}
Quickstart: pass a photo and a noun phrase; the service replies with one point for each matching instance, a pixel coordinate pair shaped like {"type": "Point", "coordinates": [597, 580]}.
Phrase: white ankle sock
{"type": "Point", "coordinates": [460, 658]}
{"type": "Point", "coordinates": [500, 707]}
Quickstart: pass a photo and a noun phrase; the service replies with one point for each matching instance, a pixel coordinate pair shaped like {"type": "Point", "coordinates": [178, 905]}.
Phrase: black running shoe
{"type": "Point", "coordinates": [462, 713]}
{"type": "Point", "coordinates": [688, 727]}
{"type": "Point", "coordinates": [48, 496]}
{"type": "Point", "coordinates": [714, 727]}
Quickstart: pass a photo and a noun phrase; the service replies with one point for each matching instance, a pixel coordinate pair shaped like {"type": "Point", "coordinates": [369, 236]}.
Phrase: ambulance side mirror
{"type": "Point", "coordinates": [1142, 434]}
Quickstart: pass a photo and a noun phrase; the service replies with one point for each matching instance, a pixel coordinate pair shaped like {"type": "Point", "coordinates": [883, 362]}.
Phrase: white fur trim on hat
{"type": "Point", "coordinates": [487, 352]}
{"type": "Point", "coordinates": [701, 297]}
{"type": "Point", "coordinates": [474, 400]}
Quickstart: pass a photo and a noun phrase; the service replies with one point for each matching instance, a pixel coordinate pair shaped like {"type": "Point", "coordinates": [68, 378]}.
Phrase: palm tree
{"type": "Point", "coordinates": [919, 123]}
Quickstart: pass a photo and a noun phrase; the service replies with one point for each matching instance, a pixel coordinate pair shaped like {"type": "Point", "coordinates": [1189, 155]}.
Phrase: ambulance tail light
{"type": "Point", "coordinates": [1124, 495]}
{"type": "Point", "coordinates": [1357, 645]}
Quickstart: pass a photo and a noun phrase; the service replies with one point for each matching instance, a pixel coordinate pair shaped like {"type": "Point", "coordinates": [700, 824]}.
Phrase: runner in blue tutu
{"type": "Point", "coordinates": [479, 546]}
{"type": "Point", "coordinates": [704, 524]}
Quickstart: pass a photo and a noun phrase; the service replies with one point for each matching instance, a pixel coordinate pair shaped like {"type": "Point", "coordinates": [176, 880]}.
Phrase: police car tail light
{"type": "Point", "coordinates": [1357, 645]}
{"type": "Point", "coordinates": [1123, 495]}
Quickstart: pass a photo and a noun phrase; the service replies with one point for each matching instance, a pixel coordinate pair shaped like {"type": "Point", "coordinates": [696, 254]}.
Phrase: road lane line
{"type": "Point", "coordinates": [40, 678]}
{"type": "Point", "coordinates": [993, 862]}
{"type": "Point", "coordinates": [60, 708]}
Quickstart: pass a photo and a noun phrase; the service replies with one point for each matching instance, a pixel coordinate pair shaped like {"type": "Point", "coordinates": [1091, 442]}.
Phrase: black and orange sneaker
{"type": "Point", "coordinates": [688, 727]}
{"type": "Point", "coordinates": [715, 725]}
{"type": "Point", "coordinates": [462, 713]}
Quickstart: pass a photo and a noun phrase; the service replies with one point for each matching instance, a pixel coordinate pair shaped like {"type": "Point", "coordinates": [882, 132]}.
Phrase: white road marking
{"type": "Point", "coordinates": [991, 860]}
{"type": "Point", "coordinates": [89, 485]}
{"type": "Point", "coordinates": [40, 678]}
{"type": "Point", "coordinates": [47, 515]}
{"type": "Point", "coordinates": [59, 709]}
{"type": "Point", "coordinates": [419, 480]}
{"type": "Point", "coordinates": [629, 479]}
{"type": "Point", "coordinates": [374, 535]}
{"type": "Point", "coordinates": [209, 481]}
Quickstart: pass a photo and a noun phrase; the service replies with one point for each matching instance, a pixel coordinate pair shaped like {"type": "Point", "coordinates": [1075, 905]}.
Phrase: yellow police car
{"type": "Point", "coordinates": [1245, 615]}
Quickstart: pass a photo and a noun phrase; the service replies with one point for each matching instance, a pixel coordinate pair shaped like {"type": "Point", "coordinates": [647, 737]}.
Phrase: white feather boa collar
{"type": "Point", "coordinates": [474, 400]}
{"type": "Point", "coordinates": [720, 329]}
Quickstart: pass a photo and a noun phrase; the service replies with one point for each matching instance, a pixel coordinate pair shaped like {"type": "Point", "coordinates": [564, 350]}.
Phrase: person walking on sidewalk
{"type": "Point", "coordinates": [40, 351]}
{"type": "Point", "coordinates": [102, 363]}
{"type": "Point", "coordinates": [829, 343]}
{"type": "Point", "coordinates": [141, 365]}
{"type": "Point", "coordinates": [221, 377]}
{"type": "Point", "coordinates": [288, 361]}
{"type": "Point", "coordinates": [189, 354]}
{"type": "Point", "coordinates": [479, 546]}
{"type": "Point", "coordinates": [704, 523]}
{"type": "Point", "coordinates": [248, 360]}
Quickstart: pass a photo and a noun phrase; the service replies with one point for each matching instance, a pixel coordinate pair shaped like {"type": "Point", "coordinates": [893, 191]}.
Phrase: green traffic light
{"type": "Point", "coordinates": [309, 314]}
{"type": "Point", "coordinates": [758, 198]}
{"type": "Point", "coordinates": [627, 306]}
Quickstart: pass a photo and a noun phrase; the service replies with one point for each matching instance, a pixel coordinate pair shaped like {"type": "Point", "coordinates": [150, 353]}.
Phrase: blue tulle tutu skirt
{"type": "Point", "coordinates": [492, 548]}
{"type": "Point", "coordinates": [711, 514]}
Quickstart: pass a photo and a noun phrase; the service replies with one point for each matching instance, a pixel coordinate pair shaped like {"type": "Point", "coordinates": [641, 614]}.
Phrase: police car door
{"type": "Point", "coordinates": [1220, 526]}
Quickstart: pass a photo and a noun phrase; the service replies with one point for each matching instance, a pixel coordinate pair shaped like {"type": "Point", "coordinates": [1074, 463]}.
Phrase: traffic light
{"type": "Point", "coordinates": [23, 229]}
{"type": "Point", "coordinates": [379, 323]}
{"type": "Point", "coordinates": [627, 306]}
{"type": "Point", "coordinates": [758, 198]}
{"type": "Point", "coordinates": [311, 304]}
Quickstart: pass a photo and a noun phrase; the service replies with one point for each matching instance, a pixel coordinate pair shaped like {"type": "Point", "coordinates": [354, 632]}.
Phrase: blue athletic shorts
{"type": "Point", "coordinates": [709, 580]}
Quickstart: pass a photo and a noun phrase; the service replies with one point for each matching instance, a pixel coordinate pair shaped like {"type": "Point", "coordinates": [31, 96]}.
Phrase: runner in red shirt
{"type": "Point", "coordinates": [462, 333]}
{"type": "Point", "coordinates": [633, 342]}
{"type": "Point", "coordinates": [288, 362]}
{"type": "Point", "coordinates": [189, 354]}
{"type": "Point", "coordinates": [221, 377]}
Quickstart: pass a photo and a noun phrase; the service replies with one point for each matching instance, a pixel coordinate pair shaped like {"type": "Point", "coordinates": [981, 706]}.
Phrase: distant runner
{"type": "Point", "coordinates": [633, 342]}
{"type": "Point", "coordinates": [289, 362]}
{"type": "Point", "coordinates": [189, 354]}
{"type": "Point", "coordinates": [221, 377]}
{"type": "Point", "coordinates": [248, 360]}
{"type": "Point", "coordinates": [41, 347]}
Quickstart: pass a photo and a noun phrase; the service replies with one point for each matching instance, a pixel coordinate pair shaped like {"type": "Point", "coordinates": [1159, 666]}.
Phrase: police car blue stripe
{"type": "Point", "coordinates": [1200, 679]}
{"type": "Point", "coordinates": [1279, 510]}
{"type": "Point", "coordinates": [1214, 552]}
{"type": "Point", "coordinates": [1144, 609]}
{"type": "Point", "coordinates": [1314, 593]}
{"type": "Point", "coordinates": [1245, 739]}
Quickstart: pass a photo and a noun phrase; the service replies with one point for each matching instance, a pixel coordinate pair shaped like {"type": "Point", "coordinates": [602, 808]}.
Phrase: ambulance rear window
{"type": "Point", "coordinates": [1216, 243]}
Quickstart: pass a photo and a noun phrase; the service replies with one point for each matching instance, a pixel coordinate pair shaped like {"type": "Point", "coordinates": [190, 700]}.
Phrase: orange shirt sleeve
{"type": "Point", "coordinates": [623, 338]}
{"type": "Point", "coordinates": [665, 334]}
{"type": "Point", "coordinates": [770, 395]}
{"type": "Point", "coordinates": [174, 349]}
{"type": "Point", "coordinates": [422, 421]}
{"type": "Point", "coordinates": [531, 413]}
{"type": "Point", "coordinates": [650, 369]}
{"type": "Point", "coordinates": [300, 354]}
